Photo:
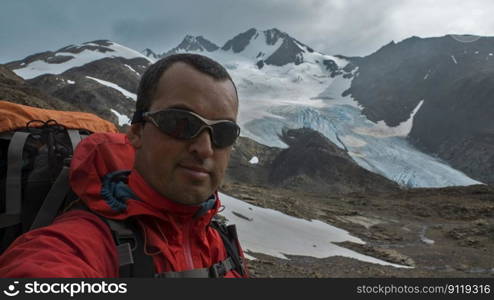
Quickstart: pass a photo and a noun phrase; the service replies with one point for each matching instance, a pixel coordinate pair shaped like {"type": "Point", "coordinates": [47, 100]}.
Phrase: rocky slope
{"type": "Point", "coordinates": [311, 163]}
{"type": "Point", "coordinates": [15, 89]}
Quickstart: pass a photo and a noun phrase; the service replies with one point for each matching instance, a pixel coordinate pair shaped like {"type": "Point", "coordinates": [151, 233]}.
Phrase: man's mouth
{"type": "Point", "coordinates": [195, 171]}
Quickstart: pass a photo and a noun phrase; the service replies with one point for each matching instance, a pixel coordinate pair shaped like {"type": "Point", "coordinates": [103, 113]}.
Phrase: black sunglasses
{"type": "Point", "coordinates": [186, 125]}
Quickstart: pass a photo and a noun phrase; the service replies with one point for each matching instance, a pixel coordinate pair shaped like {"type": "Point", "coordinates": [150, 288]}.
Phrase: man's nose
{"type": "Point", "coordinates": [202, 144]}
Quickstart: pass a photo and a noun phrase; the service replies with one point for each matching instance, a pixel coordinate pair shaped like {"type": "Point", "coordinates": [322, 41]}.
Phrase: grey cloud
{"type": "Point", "coordinates": [348, 27]}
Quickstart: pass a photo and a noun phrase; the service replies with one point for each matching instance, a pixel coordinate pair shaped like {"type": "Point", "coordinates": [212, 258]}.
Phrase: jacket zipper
{"type": "Point", "coordinates": [187, 248]}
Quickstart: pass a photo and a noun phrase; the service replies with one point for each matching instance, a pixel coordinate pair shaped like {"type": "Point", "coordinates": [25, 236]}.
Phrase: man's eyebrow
{"type": "Point", "coordinates": [187, 108]}
{"type": "Point", "coordinates": [182, 106]}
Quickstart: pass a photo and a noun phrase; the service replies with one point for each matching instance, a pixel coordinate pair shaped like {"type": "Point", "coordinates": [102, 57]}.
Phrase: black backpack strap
{"type": "Point", "coordinates": [13, 189]}
{"type": "Point", "coordinates": [229, 236]}
{"type": "Point", "coordinates": [133, 260]}
{"type": "Point", "coordinates": [218, 270]}
{"type": "Point", "coordinates": [53, 201]}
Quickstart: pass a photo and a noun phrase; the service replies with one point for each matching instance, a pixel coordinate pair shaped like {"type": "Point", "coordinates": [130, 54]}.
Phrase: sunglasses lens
{"type": "Point", "coordinates": [225, 134]}
{"type": "Point", "coordinates": [178, 124]}
{"type": "Point", "coordinates": [184, 125]}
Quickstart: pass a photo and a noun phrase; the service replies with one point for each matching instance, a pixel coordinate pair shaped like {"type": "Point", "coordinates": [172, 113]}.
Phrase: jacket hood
{"type": "Point", "coordinates": [98, 178]}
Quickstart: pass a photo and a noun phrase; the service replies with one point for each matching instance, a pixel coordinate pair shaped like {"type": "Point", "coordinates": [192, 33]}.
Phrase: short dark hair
{"type": "Point", "coordinates": [151, 77]}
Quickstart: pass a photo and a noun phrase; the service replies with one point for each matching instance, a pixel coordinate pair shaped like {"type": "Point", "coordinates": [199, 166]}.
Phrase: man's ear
{"type": "Point", "coordinates": [135, 135]}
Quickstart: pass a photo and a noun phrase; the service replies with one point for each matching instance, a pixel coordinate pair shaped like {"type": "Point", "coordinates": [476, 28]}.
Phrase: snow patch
{"type": "Point", "coordinates": [423, 238]}
{"type": "Point", "coordinates": [70, 82]}
{"type": "Point", "coordinates": [122, 119]}
{"type": "Point", "coordinates": [454, 59]}
{"type": "Point", "coordinates": [254, 160]}
{"type": "Point", "coordinates": [273, 233]}
{"type": "Point", "coordinates": [116, 87]}
{"type": "Point", "coordinates": [381, 130]}
{"type": "Point", "coordinates": [427, 75]}
{"type": "Point", "coordinates": [132, 69]}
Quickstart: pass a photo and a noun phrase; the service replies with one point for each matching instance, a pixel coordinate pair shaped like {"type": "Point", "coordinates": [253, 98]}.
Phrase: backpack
{"type": "Point", "coordinates": [36, 147]}
{"type": "Point", "coordinates": [35, 150]}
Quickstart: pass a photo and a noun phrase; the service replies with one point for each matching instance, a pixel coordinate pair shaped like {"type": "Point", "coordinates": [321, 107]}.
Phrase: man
{"type": "Point", "coordinates": [182, 132]}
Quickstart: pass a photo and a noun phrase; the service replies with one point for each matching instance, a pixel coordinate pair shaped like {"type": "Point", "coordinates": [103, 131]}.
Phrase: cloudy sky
{"type": "Point", "coordinates": [349, 27]}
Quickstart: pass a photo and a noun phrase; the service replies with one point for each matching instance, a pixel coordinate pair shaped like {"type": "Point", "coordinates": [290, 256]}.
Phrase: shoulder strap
{"type": "Point", "coordinates": [53, 201]}
{"type": "Point", "coordinates": [229, 236]}
{"type": "Point", "coordinates": [215, 271]}
{"type": "Point", "coordinates": [13, 189]}
{"type": "Point", "coordinates": [134, 262]}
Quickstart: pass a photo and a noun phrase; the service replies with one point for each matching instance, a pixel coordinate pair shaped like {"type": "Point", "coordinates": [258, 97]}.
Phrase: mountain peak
{"type": "Point", "coordinates": [267, 37]}
{"type": "Point", "coordinates": [149, 53]}
{"type": "Point", "coordinates": [99, 42]}
{"type": "Point", "coordinates": [271, 46]}
{"type": "Point", "coordinates": [272, 35]}
{"type": "Point", "coordinates": [194, 43]}
{"type": "Point", "coordinates": [240, 41]}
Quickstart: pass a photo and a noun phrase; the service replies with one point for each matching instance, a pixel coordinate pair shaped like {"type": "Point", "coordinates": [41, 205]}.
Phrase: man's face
{"type": "Point", "coordinates": [185, 171]}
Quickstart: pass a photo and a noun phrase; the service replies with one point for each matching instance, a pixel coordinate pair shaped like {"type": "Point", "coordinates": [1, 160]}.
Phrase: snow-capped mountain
{"type": "Point", "coordinates": [282, 83]}
{"type": "Point", "coordinates": [268, 47]}
{"type": "Point", "coordinates": [68, 57]}
{"type": "Point", "coordinates": [194, 44]}
{"type": "Point", "coordinates": [271, 47]}
{"type": "Point", "coordinates": [99, 76]}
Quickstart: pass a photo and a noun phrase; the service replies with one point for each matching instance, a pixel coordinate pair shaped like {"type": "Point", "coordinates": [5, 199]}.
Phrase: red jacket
{"type": "Point", "coordinates": [80, 244]}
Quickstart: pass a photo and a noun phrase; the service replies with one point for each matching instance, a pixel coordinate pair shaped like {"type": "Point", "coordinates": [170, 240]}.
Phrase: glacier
{"type": "Point", "coordinates": [305, 95]}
